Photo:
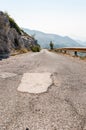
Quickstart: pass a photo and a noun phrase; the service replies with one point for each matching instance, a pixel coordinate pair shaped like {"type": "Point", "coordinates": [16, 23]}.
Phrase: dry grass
{"type": "Point", "coordinates": [21, 51]}
{"type": "Point", "coordinates": [83, 58]}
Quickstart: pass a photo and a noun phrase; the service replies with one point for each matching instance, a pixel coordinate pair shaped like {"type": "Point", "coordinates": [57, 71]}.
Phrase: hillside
{"type": "Point", "coordinates": [12, 38]}
{"type": "Point", "coordinates": [59, 41]}
{"type": "Point", "coordinates": [82, 43]}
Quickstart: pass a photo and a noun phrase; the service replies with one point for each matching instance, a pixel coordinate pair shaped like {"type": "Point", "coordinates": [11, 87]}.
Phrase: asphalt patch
{"type": "Point", "coordinates": [35, 82]}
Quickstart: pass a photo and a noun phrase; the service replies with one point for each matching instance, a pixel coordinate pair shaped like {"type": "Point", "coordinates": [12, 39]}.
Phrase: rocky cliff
{"type": "Point", "coordinates": [12, 37]}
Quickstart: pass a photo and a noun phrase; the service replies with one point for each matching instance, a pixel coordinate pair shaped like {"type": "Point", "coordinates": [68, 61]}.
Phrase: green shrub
{"type": "Point", "coordinates": [35, 48]}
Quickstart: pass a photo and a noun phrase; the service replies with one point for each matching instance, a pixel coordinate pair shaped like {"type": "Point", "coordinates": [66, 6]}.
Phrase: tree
{"type": "Point", "coordinates": [51, 45]}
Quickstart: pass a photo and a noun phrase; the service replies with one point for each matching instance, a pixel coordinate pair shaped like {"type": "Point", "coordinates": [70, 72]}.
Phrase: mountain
{"type": "Point", "coordinates": [82, 43]}
{"type": "Point", "coordinates": [12, 38]}
{"type": "Point", "coordinates": [45, 38]}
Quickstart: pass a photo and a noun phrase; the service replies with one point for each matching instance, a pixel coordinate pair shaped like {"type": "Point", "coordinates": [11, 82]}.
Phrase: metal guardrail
{"type": "Point", "coordinates": [75, 50]}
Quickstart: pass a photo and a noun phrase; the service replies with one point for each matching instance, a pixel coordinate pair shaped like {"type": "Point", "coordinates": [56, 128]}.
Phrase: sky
{"type": "Point", "coordinates": [61, 17]}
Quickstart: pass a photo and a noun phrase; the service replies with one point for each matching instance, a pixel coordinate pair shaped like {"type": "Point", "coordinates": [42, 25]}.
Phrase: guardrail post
{"type": "Point", "coordinates": [64, 51]}
{"type": "Point", "coordinates": [75, 53]}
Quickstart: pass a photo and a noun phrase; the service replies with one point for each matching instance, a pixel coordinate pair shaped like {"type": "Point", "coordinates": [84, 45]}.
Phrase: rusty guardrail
{"type": "Point", "coordinates": [72, 49]}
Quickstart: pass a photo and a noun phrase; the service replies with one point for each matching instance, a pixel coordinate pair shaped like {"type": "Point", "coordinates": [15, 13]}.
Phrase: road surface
{"type": "Point", "coordinates": [61, 107]}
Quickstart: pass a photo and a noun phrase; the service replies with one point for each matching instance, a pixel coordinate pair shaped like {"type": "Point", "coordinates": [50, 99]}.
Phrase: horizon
{"type": "Point", "coordinates": [41, 31]}
{"type": "Point", "coordinates": [64, 18]}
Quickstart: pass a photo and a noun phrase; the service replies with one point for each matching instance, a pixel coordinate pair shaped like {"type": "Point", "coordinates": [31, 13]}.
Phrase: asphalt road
{"type": "Point", "coordinates": [62, 107]}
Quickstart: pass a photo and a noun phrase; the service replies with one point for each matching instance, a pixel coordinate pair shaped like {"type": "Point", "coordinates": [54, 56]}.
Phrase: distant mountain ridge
{"type": "Point", "coordinates": [82, 43]}
{"type": "Point", "coordinates": [59, 41]}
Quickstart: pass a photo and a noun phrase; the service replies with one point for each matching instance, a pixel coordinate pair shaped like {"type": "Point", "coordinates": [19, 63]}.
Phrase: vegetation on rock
{"type": "Point", "coordinates": [13, 24]}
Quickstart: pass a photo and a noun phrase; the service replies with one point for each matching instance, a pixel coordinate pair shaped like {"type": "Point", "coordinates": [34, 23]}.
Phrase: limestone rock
{"type": "Point", "coordinates": [10, 39]}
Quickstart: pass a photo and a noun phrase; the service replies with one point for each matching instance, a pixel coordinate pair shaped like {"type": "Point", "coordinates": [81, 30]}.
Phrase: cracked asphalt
{"type": "Point", "coordinates": [62, 107]}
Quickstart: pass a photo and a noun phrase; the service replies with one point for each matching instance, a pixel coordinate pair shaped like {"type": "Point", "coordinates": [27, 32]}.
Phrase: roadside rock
{"type": "Point", "coordinates": [11, 40]}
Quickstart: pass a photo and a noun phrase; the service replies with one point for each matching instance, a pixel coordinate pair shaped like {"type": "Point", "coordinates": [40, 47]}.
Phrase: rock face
{"type": "Point", "coordinates": [10, 39]}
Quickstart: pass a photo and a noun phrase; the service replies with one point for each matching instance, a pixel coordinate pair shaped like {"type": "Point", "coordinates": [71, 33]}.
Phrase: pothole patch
{"type": "Point", "coordinates": [35, 82]}
{"type": "Point", "coordinates": [6, 75]}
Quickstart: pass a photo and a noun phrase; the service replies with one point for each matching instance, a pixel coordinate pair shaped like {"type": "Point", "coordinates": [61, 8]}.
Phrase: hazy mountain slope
{"type": "Point", "coordinates": [82, 43]}
{"type": "Point", "coordinates": [59, 41]}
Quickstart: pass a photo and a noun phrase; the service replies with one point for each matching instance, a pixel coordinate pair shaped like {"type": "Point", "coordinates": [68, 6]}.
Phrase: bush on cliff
{"type": "Point", "coordinates": [35, 48]}
{"type": "Point", "coordinates": [13, 24]}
